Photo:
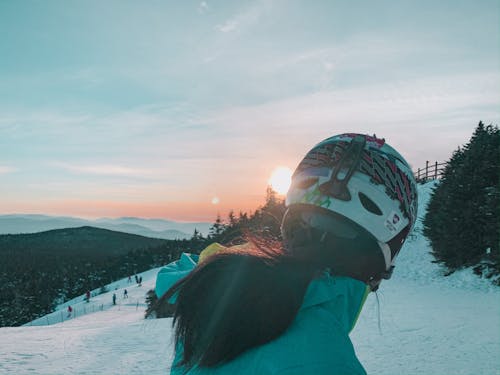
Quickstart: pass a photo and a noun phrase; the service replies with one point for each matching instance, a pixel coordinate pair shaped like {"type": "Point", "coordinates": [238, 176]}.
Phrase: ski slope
{"type": "Point", "coordinates": [423, 323]}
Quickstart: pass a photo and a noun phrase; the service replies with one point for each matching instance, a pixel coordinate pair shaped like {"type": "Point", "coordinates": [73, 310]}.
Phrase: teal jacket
{"type": "Point", "coordinates": [317, 342]}
{"type": "Point", "coordinates": [173, 272]}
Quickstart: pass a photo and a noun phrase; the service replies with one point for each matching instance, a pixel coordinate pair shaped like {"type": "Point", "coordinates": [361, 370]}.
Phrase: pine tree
{"type": "Point", "coordinates": [462, 216]}
{"type": "Point", "coordinates": [217, 228]}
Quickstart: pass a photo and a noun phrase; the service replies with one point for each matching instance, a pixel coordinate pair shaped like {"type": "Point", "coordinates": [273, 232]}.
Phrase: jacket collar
{"type": "Point", "coordinates": [343, 296]}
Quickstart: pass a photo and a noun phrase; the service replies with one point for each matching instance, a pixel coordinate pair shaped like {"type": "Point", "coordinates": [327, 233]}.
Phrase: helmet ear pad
{"type": "Point", "coordinates": [328, 240]}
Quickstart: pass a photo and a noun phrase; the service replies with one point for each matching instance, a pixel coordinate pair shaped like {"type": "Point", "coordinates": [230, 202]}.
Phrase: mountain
{"type": "Point", "coordinates": [154, 228]}
{"type": "Point", "coordinates": [83, 242]}
{"type": "Point", "coordinates": [160, 225]}
{"type": "Point", "coordinates": [39, 269]}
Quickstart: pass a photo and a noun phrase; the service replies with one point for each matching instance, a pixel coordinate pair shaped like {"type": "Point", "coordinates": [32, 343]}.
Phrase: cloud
{"type": "Point", "coordinates": [427, 117]}
{"type": "Point", "coordinates": [6, 169]}
{"type": "Point", "coordinates": [248, 17]}
{"type": "Point", "coordinates": [105, 170]}
{"type": "Point", "coordinates": [228, 26]}
{"type": "Point", "coordinates": [203, 7]}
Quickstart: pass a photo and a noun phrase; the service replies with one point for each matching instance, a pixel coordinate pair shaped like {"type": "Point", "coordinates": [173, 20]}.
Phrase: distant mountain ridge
{"type": "Point", "coordinates": [81, 241]}
{"type": "Point", "coordinates": [153, 228]}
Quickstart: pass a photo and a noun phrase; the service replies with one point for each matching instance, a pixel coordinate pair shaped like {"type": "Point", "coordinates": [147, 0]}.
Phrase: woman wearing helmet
{"type": "Point", "coordinates": [351, 205]}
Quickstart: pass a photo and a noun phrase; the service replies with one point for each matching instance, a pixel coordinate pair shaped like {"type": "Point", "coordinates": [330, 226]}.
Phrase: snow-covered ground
{"type": "Point", "coordinates": [114, 340]}
{"type": "Point", "coordinates": [423, 323]}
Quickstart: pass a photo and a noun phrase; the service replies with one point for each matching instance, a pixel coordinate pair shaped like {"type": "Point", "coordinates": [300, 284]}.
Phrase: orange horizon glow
{"type": "Point", "coordinates": [176, 211]}
{"type": "Point", "coordinates": [202, 207]}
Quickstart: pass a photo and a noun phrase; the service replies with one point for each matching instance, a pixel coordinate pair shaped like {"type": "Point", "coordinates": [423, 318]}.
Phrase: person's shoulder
{"type": "Point", "coordinates": [172, 272]}
{"type": "Point", "coordinates": [322, 369]}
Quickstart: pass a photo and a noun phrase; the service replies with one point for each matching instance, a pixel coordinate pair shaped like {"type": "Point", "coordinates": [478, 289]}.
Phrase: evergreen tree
{"type": "Point", "coordinates": [217, 228]}
{"type": "Point", "coordinates": [462, 216]}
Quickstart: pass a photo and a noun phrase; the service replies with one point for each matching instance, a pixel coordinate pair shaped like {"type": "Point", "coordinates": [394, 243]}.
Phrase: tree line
{"type": "Point", "coordinates": [462, 216]}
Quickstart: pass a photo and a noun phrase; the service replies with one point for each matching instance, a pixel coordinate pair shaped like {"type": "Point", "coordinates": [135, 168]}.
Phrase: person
{"type": "Point", "coordinates": [70, 310]}
{"type": "Point", "coordinates": [114, 298]}
{"type": "Point", "coordinates": [289, 309]}
{"type": "Point", "coordinates": [87, 296]}
{"type": "Point", "coordinates": [125, 294]}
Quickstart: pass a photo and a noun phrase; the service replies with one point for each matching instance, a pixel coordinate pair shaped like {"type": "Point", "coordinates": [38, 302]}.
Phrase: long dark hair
{"type": "Point", "coordinates": [233, 302]}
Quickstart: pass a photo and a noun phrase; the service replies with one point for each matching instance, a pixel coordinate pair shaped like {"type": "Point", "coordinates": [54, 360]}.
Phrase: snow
{"type": "Point", "coordinates": [114, 340]}
{"type": "Point", "coordinates": [423, 323]}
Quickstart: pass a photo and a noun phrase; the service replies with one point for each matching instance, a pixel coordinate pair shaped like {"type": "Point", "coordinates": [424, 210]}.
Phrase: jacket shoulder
{"type": "Point", "coordinates": [173, 272]}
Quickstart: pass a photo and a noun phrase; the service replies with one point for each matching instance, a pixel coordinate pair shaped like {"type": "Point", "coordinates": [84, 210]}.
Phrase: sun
{"type": "Point", "coordinates": [280, 179]}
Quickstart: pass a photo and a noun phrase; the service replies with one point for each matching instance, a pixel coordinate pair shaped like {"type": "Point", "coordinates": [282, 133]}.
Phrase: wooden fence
{"type": "Point", "coordinates": [432, 171]}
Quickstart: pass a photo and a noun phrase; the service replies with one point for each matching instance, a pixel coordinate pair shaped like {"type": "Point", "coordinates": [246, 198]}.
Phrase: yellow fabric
{"type": "Point", "coordinates": [218, 248]}
{"type": "Point", "coordinates": [210, 250]}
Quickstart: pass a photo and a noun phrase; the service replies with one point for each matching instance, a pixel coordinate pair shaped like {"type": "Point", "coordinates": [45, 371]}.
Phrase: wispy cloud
{"type": "Point", "coordinates": [227, 26]}
{"type": "Point", "coordinates": [6, 169]}
{"type": "Point", "coordinates": [432, 115]}
{"type": "Point", "coordinates": [105, 170]}
{"type": "Point", "coordinates": [248, 17]}
{"type": "Point", "coordinates": [203, 7]}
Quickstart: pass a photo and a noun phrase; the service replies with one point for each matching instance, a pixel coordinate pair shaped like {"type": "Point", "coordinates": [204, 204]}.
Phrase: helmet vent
{"type": "Point", "coordinates": [369, 205]}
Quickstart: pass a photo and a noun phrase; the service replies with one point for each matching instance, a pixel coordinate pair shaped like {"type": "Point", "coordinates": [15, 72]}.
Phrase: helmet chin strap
{"type": "Point", "coordinates": [386, 251]}
{"type": "Point", "coordinates": [386, 275]}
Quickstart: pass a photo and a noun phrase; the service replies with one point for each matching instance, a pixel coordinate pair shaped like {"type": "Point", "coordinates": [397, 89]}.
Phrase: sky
{"type": "Point", "coordinates": [182, 110]}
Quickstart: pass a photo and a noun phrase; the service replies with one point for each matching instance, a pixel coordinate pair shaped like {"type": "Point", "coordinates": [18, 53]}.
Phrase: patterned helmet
{"type": "Point", "coordinates": [364, 184]}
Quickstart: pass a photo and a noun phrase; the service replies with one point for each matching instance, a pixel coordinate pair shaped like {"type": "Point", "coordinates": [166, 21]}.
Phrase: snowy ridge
{"type": "Point", "coordinates": [419, 322]}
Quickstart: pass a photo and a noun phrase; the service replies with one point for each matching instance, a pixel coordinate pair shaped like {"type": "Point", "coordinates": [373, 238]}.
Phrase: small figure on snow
{"type": "Point", "coordinates": [87, 296]}
{"type": "Point", "coordinates": [125, 294]}
{"type": "Point", "coordinates": [129, 279]}
{"type": "Point", "coordinates": [70, 310]}
{"type": "Point", "coordinates": [114, 298]}
{"type": "Point", "coordinates": [140, 281]}
{"type": "Point", "coordinates": [136, 279]}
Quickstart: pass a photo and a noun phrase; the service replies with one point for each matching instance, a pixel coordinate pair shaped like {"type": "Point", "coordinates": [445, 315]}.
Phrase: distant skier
{"type": "Point", "coordinates": [129, 279]}
{"type": "Point", "coordinates": [114, 298]}
{"type": "Point", "coordinates": [140, 281]}
{"type": "Point", "coordinates": [136, 279]}
{"type": "Point", "coordinates": [87, 296]}
{"type": "Point", "coordinates": [125, 294]}
{"type": "Point", "coordinates": [70, 310]}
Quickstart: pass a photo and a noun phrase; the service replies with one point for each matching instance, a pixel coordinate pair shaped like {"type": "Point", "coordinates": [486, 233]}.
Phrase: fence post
{"type": "Point", "coordinates": [426, 170]}
{"type": "Point", "coordinates": [436, 171]}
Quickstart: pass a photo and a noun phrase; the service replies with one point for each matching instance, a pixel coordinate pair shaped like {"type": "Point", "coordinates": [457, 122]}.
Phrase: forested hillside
{"type": "Point", "coordinates": [41, 269]}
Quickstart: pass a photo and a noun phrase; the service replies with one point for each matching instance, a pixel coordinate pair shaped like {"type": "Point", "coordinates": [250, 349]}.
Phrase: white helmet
{"type": "Point", "coordinates": [359, 181]}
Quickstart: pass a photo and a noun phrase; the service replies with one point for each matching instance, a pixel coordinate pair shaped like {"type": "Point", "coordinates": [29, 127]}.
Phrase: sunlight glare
{"type": "Point", "coordinates": [280, 179]}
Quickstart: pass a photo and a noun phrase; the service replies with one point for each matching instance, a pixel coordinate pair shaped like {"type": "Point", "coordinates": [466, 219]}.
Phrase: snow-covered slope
{"type": "Point", "coordinates": [424, 323]}
{"type": "Point", "coordinates": [114, 340]}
